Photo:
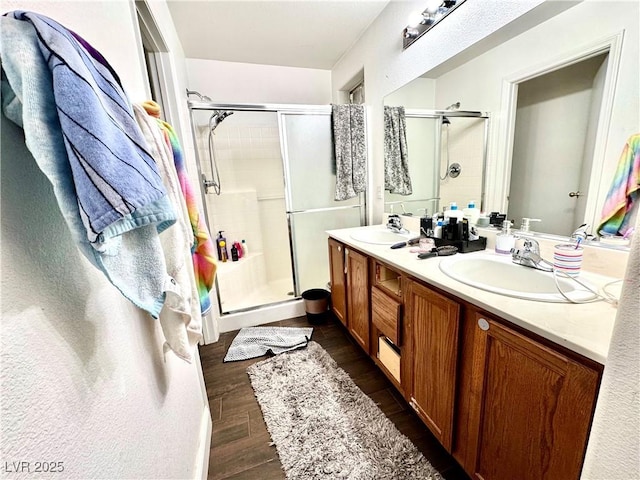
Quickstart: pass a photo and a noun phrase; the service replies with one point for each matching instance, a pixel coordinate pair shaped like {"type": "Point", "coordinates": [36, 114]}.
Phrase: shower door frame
{"type": "Point", "coordinates": [424, 113]}
{"type": "Point", "coordinates": [279, 110]}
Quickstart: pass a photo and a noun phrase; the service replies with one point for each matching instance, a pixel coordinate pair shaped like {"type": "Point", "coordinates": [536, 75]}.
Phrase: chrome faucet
{"type": "Point", "coordinates": [395, 224]}
{"type": "Point", "coordinates": [528, 254]}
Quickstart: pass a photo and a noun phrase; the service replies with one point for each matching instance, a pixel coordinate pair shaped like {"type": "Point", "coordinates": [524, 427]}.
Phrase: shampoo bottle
{"type": "Point", "coordinates": [220, 242]}
{"type": "Point", "coordinates": [234, 253]}
{"type": "Point", "coordinates": [245, 248]}
{"type": "Point", "coordinates": [471, 213]}
{"type": "Point", "coordinates": [224, 255]}
{"type": "Point", "coordinates": [505, 240]}
{"type": "Point", "coordinates": [453, 212]}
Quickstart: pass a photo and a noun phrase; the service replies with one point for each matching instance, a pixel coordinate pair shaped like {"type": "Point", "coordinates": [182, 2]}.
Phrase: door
{"type": "Point", "coordinates": [532, 407]}
{"type": "Point", "coordinates": [358, 297]}
{"type": "Point", "coordinates": [433, 320]}
{"type": "Point", "coordinates": [338, 284]}
{"type": "Point", "coordinates": [555, 129]}
{"type": "Point", "coordinates": [307, 150]}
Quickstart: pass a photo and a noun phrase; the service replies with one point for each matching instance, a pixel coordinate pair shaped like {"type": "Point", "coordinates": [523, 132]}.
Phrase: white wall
{"type": "Point", "coordinates": [478, 83]}
{"type": "Point", "coordinates": [84, 380]}
{"type": "Point", "coordinates": [230, 82]}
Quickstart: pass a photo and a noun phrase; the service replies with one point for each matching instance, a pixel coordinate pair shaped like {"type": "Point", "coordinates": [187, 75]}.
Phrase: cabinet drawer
{"type": "Point", "coordinates": [385, 315]}
{"type": "Point", "coordinates": [389, 357]}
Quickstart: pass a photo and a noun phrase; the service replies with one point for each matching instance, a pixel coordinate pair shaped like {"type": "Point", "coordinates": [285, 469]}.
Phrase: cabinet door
{"type": "Point", "coordinates": [338, 284]}
{"type": "Point", "coordinates": [358, 297]}
{"type": "Point", "coordinates": [531, 407]}
{"type": "Point", "coordinates": [433, 320]}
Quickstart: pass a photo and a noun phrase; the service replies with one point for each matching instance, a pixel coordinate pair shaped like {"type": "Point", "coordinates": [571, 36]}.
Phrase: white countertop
{"type": "Point", "coordinates": [583, 328]}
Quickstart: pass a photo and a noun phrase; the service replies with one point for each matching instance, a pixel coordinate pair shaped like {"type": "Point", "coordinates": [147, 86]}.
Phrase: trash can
{"type": "Point", "coordinates": [316, 304]}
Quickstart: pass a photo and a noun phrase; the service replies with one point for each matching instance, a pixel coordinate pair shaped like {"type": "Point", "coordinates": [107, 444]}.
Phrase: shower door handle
{"type": "Point", "coordinates": [207, 183]}
{"type": "Point", "coordinates": [575, 194]}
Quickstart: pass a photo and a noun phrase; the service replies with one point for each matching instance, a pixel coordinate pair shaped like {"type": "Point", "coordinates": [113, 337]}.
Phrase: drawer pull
{"type": "Point", "coordinates": [483, 324]}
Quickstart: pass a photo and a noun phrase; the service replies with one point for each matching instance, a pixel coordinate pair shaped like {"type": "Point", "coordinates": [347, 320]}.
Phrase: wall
{"type": "Point", "coordinates": [83, 376]}
{"type": "Point", "coordinates": [473, 29]}
{"type": "Point", "coordinates": [230, 82]}
{"type": "Point", "coordinates": [558, 37]}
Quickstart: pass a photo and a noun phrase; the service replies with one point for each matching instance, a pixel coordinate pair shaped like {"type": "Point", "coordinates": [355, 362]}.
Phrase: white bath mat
{"type": "Point", "coordinates": [252, 342]}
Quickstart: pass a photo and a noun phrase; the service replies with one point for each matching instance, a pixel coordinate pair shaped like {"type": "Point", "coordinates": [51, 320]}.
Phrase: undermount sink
{"type": "Point", "coordinates": [380, 236]}
{"type": "Point", "coordinates": [499, 275]}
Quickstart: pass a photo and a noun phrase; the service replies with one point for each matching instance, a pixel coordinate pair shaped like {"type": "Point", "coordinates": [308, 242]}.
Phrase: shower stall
{"type": "Point", "coordinates": [447, 160]}
{"type": "Point", "coordinates": [268, 178]}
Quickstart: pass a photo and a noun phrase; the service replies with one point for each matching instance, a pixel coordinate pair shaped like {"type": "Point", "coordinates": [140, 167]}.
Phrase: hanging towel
{"type": "Point", "coordinates": [180, 317]}
{"type": "Point", "coordinates": [396, 154]}
{"type": "Point", "coordinates": [80, 129]}
{"type": "Point", "coordinates": [203, 252]}
{"type": "Point", "coordinates": [350, 150]}
{"type": "Point", "coordinates": [624, 191]}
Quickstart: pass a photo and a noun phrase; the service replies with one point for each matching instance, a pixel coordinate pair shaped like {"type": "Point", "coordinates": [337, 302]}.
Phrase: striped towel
{"type": "Point", "coordinates": [80, 129]}
{"type": "Point", "coordinates": [624, 190]}
{"type": "Point", "coordinates": [203, 252]}
{"type": "Point", "coordinates": [114, 175]}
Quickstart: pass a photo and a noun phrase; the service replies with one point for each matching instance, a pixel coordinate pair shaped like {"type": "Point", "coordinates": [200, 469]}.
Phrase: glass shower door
{"type": "Point", "coordinates": [310, 179]}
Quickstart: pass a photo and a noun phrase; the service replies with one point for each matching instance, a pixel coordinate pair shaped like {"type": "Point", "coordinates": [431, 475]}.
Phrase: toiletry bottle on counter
{"type": "Point", "coordinates": [437, 231]}
{"type": "Point", "coordinates": [471, 213]}
{"type": "Point", "coordinates": [505, 240]}
{"type": "Point", "coordinates": [245, 248]}
{"type": "Point", "coordinates": [453, 212]}
{"type": "Point", "coordinates": [234, 253]}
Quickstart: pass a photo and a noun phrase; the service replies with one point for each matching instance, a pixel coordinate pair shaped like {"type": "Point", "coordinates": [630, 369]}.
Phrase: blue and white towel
{"type": "Point", "coordinates": [80, 128]}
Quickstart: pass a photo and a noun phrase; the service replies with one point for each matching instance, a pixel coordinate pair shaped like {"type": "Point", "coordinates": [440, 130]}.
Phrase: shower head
{"type": "Point", "coordinates": [216, 118]}
{"type": "Point", "coordinates": [453, 106]}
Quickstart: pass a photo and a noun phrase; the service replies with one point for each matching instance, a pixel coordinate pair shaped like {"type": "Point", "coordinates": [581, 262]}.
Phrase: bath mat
{"type": "Point", "coordinates": [253, 342]}
{"type": "Point", "coordinates": [324, 426]}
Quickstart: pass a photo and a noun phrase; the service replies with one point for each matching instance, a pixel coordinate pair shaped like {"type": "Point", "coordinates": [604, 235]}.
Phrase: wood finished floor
{"type": "Point", "coordinates": [240, 443]}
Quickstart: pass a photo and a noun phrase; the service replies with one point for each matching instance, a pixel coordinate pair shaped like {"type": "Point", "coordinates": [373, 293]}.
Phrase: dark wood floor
{"type": "Point", "coordinates": [241, 446]}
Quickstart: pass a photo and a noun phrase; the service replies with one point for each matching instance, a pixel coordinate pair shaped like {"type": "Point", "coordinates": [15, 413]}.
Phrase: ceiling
{"type": "Point", "coordinates": [294, 33]}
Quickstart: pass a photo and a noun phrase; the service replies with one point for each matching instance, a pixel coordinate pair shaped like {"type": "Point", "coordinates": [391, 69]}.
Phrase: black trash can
{"type": "Point", "coordinates": [316, 304]}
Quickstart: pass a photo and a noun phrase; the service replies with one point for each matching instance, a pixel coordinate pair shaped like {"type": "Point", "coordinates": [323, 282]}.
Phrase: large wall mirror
{"type": "Point", "coordinates": [558, 99]}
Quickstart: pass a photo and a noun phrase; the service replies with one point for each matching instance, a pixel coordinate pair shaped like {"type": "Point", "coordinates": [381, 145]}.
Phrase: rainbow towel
{"type": "Point", "coordinates": [623, 191]}
{"type": "Point", "coordinates": [202, 252]}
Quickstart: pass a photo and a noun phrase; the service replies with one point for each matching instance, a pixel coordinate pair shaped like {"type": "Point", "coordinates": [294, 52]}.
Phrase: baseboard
{"type": "Point", "coordinates": [201, 468]}
{"type": "Point", "coordinates": [260, 316]}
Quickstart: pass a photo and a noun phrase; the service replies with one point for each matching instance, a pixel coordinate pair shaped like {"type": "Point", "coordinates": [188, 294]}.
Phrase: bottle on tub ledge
{"type": "Point", "coordinates": [221, 244]}
{"type": "Point", "coordinates": [245, 248]}
{"type": "Point", "coordinates": [234, 253]}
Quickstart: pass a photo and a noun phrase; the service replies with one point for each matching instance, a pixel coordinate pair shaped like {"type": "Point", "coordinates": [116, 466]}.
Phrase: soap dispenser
{"type": "Point", "coordinates": [505, 240]}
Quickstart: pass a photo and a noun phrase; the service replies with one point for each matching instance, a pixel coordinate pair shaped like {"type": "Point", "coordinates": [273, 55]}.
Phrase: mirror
{"type": "Point", "coordinates": [447, 158]}
{"type": "Point", "coordinates": [528, 85]}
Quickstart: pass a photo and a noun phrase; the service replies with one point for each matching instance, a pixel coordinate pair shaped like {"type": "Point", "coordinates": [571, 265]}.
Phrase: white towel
{"type": "Point", "coordinates": [180, 317]}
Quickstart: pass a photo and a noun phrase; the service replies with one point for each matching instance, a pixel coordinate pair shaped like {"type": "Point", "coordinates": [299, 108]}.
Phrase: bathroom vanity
{"type": "Point", "coordinates": [508, 386]}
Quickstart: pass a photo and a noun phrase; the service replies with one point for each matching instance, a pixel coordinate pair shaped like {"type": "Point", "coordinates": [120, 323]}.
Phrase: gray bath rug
{"type": "Point", "coordinates": [252, 342]}
{"type": "Point", "coordinates": [325, 427]}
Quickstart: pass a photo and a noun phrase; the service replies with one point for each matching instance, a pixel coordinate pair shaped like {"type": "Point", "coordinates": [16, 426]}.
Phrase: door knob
{"type": "Point", "coordinates": [575, 194]}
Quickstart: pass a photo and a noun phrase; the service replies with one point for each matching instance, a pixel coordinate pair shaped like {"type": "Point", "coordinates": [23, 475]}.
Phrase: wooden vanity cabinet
{"type": "Point", "coordinates": [431, 322]}
{"type": "Point", "coordinates": [350, 290]}
{"type": "Point", "coordinates": [525, 407]}
{"type": "Point", "coordinates": [338, 277]}
{"type": "Point", "coordinates": [358, 296]}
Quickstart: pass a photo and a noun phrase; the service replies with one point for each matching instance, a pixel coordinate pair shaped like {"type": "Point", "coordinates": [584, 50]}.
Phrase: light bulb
{"type": "Point", "coordinates": [433, 6]}
{"type": "Point", "coordinates": [415, 19]}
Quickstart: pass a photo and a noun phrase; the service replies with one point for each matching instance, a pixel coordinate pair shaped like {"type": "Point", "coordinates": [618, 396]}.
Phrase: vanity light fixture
{"type": "Point", "coordinates": [435, 11]}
